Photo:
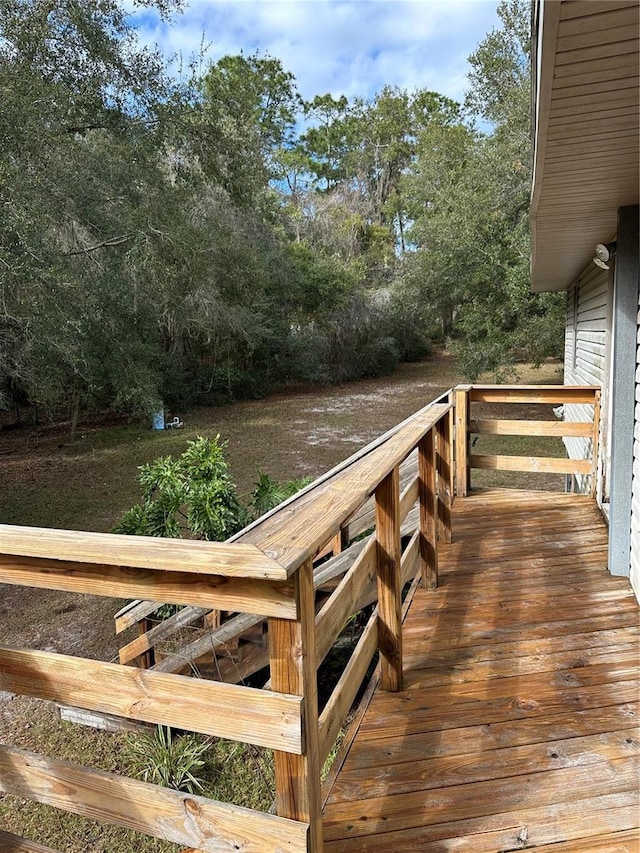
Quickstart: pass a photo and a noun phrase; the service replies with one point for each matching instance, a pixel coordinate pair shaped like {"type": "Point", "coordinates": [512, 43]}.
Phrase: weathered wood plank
{"type": "Point", "coordinates": [479, 739]}
{"type": "Point", "coordinates": [133, 612]}
{"type": "Point", "coordinates": [152, 635]}
{"type": "Point", "coordinates": [208, 643]}
{"type": "Point", "coordinates": [549, 824]}
{"type": "Point", "coordinates": [625, 841]}
{"type": "Point", "coordinates": [344, 600]}
{"type": "Point", "coordinates": [374, 815]}
{"type": "Point", "coordinates": [443, 772]}
{"type": "Point", "coordinates": [484, 426]}
{"type": "Point", "coordinates": [347, 687]}
{"type": "Point", "coordinates": [408, 498]}
{"type": "Point", "coordinates": [389, 585]}
{"type": "Point", "coordinates": [241, 713]}
{"type": "Point", "coordinates": [292, 649]}
{"type": "Point", "coordinates": [552, 394]}
{"type": "Point", "coordinates": [140, 552]}
{"type": "Point", "coordinates": [225, 593]}
{"type": "Point", "coordinates": [537, 464]}
{"type": "Point", "coordinates": [462, 440]}
{"type": "Point", "coordinates": [444, 471]}
{"type": "Point", "coordinates": [12, 844]}
{"type": "Point", "coordinates": [181, 818]}
{"type": "Point", "coordinates": [428, 511]}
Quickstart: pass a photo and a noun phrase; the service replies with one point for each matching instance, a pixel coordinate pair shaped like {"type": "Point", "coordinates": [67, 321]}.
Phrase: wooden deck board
{"type": "Point", "coordinates": [518, 724]}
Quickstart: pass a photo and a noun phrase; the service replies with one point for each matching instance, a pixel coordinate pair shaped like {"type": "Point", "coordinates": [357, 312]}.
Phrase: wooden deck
{"type": "Point", "coordinates": [517, 727]}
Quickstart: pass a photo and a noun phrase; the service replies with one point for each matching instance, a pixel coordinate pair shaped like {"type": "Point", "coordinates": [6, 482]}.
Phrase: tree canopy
{"type": "Point", "coordinates": [192, 240]}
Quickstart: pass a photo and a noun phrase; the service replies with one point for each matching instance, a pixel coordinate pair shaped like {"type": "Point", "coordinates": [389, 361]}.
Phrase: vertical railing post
{"type": "Point", "coordinates": [595, 449]}
{"type": "Point", "coordinates": [462, 440]}
{"type": "Point", "coordinates": [387, 499]}
{"type": "Point", "coordinates": [428, 510]}
{"type": "Point", "coordinates": [443, 466]}
{"type": "Point", "coordinates": [452, 460]}
{"type": "Point", "coordinates": [148, 658]}
{"type": "Point", "coordinates": [292, 651]}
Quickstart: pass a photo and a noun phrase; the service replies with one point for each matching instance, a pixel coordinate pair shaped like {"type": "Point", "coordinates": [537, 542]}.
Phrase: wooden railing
{"type": "Point", "coordinates": [467, 424]}
{"type": "Point", "coordinates": [266, 573]}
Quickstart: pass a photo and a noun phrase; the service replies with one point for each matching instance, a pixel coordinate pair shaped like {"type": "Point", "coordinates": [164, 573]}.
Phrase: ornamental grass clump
{"type": "Point", "coordinates": [169, 760]}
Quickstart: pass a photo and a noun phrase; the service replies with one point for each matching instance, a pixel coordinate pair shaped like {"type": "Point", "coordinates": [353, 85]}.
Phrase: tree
{"type": "Point", "coordinates": [470, 193]}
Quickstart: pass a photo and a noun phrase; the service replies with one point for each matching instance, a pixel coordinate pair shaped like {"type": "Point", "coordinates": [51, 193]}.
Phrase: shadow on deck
{"type": "Point", "coordinates": [517, 727]}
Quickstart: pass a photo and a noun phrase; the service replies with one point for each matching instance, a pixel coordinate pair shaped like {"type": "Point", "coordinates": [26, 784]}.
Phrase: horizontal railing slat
{"type": "Point", "coordinates": [536, 428]}
{"type": "Point", "coordinates": [409, 496]}
{"type": "Point", "coordinates": [347, 687]}
{"type": "Point", "coordinates": [13, 844]}
{"type": "Point", "coordinates": [134, 612]}
{"type": "Point", "coordinates": [272, 598]}
{"type": "Point", "coordinates": [344, 600]}
{"type": "Point", "coordinates": [184, 819]}
{"type": "Point", "coordinates": [552, 394]}
{"type": "Point", "coordinates": [182, 619]}
{"type": "Point", "coordinates": [538, 464]}
{"type": "Point", "coordinates": [210, 642]}
{"type": "Point", "coordinates": [240, 560]}
{"type": "Point", "coordinates": [245, 714]}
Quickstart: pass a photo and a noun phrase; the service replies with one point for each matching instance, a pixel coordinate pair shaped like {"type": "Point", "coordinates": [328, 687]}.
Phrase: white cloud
{"type": "Point", "coordinates": [344, 47]}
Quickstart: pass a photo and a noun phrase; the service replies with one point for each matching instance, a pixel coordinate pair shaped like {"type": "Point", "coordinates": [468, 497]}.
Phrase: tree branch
{"type": "Point", "coordinates": [113, 241]}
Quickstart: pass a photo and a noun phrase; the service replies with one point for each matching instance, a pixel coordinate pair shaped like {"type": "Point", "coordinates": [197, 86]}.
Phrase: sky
{"type": "Point", "coordinates": [350, 47]}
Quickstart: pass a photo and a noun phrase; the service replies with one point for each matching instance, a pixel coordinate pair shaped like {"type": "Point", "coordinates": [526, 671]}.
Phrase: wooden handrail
{"type": "Point", "coordinates": [465, 395]}
{"type": "Point", "coordinates": [267, 572]}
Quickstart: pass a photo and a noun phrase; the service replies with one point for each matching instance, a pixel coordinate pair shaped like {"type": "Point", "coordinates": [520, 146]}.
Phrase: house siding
{"type": "Point", "coordinates": [585, 362]}
{"type": "Point", "coordinates": [635, 494]}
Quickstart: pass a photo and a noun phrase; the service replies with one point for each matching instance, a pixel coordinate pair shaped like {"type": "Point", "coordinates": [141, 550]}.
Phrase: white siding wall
{"type": "Point", "coordinates": [586, 353]}
{"type": "Point", "coordinates": [635, 500]}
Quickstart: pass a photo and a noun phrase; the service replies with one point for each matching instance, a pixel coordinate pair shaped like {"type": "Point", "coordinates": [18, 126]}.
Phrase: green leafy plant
{"type": "Point", "coordinates": [171, 761]}
{"type": "Point", "coordinates": [268, 492]}
{"type": "Point", "coordinates": [191, 495]}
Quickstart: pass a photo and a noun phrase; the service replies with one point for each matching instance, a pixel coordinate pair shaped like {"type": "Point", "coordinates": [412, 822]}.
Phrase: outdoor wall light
{"type": "Point", "coordinates": [603, 255]}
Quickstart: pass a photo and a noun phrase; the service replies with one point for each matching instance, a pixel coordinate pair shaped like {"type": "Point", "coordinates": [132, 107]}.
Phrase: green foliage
{"type": "Point", "coordinates": [246, 254]}
{"type": "Point", "coordinates": [169, 760]}
{"type": "Point", "coordinates": [193, 494]}
{"type": "Point", "coordinates": [470, 202]}
{"type": "Point", "coordinates": [268, 492]}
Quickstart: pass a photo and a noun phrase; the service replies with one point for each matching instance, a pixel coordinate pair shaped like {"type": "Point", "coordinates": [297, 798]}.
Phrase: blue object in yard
{"type": "Point", "coordinates": [157, 420]}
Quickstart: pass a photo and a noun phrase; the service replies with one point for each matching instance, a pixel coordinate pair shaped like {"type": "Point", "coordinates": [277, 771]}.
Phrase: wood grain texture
{"type": "Point", "coordinates": [292, 650]}
{"type": "Point", "coordinates": [552, 394]}
{"type": "Point", "coordinates": [241, 713]}
{"type": "Point", "coordinates": [484, 426]}
{"type": "Point", "coordinates": [160, 812]}
{"type": "Point", "coordinates": [444, 471]}
{"type": "Point", "coordinates": [344, 601]}
{"type": "Point", "coordinates": [346, 689]}
{"type": "Point", "coordinates": [519, 711]}
{"type": "Point", "coordinates": [226, 593]}
{"type": "Point", "coordinates": [153, 634]}
{"type": "Point", "coordinates": [389, 583]}
{"type": "Point", "coordinates": [140, 552]}
{"type": "Point", "coordinates": [461, 395]}
{"type": "Point", "coordinates": [428, 511]}
{"type": "Point", "coordinates": [535, 464]}
{"type": "Point", "coordinates": [12, 844]}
